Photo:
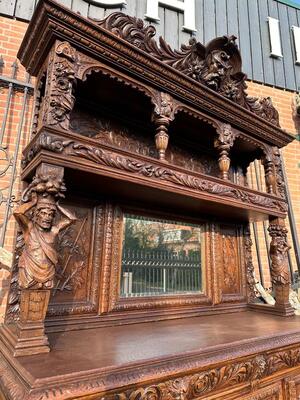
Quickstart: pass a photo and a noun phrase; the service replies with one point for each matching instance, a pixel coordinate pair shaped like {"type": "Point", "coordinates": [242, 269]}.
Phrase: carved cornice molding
{"type": "Point", "coordinates": [91, 151]}
{"type": "Point", "coordinates": [86, 36]}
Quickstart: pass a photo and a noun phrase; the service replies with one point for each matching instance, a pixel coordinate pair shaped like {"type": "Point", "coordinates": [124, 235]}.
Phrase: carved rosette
{"type": "Point", "coordinates": [162, 115]}
{"type": "Point", "coordinates": [60, 85]}
{"type": "Point", "coordinates": [279, 254]}
{"type": "Point", "coordinates": [249, 264]}
{"type": "Point", "coordinates": [223, 144]}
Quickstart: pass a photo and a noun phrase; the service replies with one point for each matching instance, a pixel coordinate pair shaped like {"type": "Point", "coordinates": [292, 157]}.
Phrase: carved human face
{"type": "Point", "coordinates": [44, 218]}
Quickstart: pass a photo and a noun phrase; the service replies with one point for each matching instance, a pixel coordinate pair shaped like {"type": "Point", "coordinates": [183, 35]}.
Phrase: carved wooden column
{"type": "Point", "coordinates": [268, 163]}
{"type": "Point", "coordinates": [279, 266]}
{"type": "Point", "coordinates": [162, 116]}
{"type": "Point", "coordinates": [249, 264]}
{"type": "Point", "coordinates": [223, 144]}
{"type": "Point", "coordinates": [38, 260]}
{"type": "Point", "coordinates": [59, 100]}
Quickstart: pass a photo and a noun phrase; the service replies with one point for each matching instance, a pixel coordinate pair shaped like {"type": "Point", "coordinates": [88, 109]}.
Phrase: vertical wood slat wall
{"type": "Point", "coordinates": [246, 19]}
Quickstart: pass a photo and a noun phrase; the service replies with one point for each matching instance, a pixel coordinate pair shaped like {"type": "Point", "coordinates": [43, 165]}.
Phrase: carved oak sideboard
{"type": "Point", "coordinates": [132, 275]}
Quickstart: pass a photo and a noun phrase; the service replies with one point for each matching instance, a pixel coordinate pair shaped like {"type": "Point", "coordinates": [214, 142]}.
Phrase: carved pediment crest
{"type": "Point", "coordinates": [216, 65]}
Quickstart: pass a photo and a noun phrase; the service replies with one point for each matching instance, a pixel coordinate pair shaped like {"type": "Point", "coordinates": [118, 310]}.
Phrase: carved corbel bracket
{"type": "Point", "coordinates": [162, 115]}
{"type": "Point", "coordinates": [223, 144]}
{"type": "Point", "coordinates": [59, 98]}
{"type": "Point", "coordinates": [280, 275]}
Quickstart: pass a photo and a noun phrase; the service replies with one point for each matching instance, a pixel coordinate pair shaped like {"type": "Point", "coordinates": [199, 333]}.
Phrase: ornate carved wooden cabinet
{"type": "Point", "coordinates": [133, 276]}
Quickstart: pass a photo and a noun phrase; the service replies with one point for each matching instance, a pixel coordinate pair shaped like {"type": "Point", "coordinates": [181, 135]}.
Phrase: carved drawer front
{"type": "Point", "coordinates": [292, 387]}
{"type": "Point", "coordinates": [273, 392]}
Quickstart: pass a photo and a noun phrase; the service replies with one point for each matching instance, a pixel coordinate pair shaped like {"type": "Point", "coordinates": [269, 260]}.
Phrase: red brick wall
{"type": "Point", "coordinates": [11, 34]}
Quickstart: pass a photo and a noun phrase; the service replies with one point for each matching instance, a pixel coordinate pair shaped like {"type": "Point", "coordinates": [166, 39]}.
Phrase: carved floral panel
{"type": "Point", "coordinates": [230, 261]}
{"type": "Point", "coordinates": [77, 276]}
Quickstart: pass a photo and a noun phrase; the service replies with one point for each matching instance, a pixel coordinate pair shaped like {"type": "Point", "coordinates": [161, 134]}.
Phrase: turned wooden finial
{"type": "Point", "coordinates": [162, 116]}
{"type": "Point", "coordinates": [223, 143]}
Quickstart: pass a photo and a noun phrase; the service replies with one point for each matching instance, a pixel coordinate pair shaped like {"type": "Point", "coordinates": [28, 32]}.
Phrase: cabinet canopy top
{"type": "Point", "coordinates": [209, 78]}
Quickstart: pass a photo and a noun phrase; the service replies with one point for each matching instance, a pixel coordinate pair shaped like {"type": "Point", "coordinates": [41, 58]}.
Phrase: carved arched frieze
{"type": "Point", "coordinates": [180, 107]}
{"type": "Point", "coordinates": [84, 71]}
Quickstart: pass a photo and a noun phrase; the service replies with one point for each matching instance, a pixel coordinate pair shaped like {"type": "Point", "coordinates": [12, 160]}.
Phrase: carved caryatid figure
{"type": "Point", "coordinates": [38, 261]}
{"type": "Point", "coordinates": [36, 218]}
{"type": "Point", "coordinates": [279, 254]}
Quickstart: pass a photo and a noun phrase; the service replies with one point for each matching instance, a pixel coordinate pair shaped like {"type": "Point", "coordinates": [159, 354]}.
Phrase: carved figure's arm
{"type": "Point", "coordinates": [68, 220]}
{"type": "Point", "coordinates": [20, 213]}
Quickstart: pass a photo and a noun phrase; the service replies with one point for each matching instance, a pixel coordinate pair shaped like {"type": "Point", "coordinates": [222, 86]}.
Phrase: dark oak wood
{"type": "Point", "coordinates": [124, 126]}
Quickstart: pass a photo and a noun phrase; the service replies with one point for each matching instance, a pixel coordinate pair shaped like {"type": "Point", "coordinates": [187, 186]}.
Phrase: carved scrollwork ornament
{"type": "Point", "coordinates": [223, 143]}
{"type": "Point", "coordinates": [216, 65]}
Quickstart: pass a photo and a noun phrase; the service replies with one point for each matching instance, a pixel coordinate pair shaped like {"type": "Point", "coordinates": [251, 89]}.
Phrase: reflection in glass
{"type": "Point", "coordinates": [160, 257]}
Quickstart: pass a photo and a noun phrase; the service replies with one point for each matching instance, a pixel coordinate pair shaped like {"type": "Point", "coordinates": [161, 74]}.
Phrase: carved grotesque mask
{"type": "Point", "coordinates": [218, 67]}
{"type": "Point", "coordinates": [44, 217]}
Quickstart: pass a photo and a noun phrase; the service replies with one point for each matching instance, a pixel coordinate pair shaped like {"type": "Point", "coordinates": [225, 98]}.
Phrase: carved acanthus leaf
{"type": "Point", "coordinates": [216, 65]}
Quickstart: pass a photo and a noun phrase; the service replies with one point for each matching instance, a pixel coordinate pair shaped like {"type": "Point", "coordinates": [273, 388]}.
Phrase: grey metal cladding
{"type": "Point", "coordinates": [246, 19]}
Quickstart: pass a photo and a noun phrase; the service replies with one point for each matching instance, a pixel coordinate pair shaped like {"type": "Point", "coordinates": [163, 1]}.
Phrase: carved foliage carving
{"type": "Point", "coordinates": [60, 82]}
{"type": "Point", "coordinates": [280, 184]}
{"type": "Point", "coordinates": [230, 261]}
{"type": "Point", "coordinates": [194, 386]}
{"type": "Point", "coordinates": [249, 264]}
{"type": "Point", "coordinates": [216, 65]}
{"type": "Point", "coordinates": [279, 254]}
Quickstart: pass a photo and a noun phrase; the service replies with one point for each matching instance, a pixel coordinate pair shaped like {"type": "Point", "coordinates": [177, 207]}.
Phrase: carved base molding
{"type": "Point", "coordinates": [27, 336]}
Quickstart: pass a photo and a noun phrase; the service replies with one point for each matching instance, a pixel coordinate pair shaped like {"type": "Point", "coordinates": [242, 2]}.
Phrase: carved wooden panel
{"type": "Point", "coordinates": [76, 289]}
{"type": "Point", "coordinates": [232, 278]}
{"type": "Point", "coordinates": [109, 131]}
